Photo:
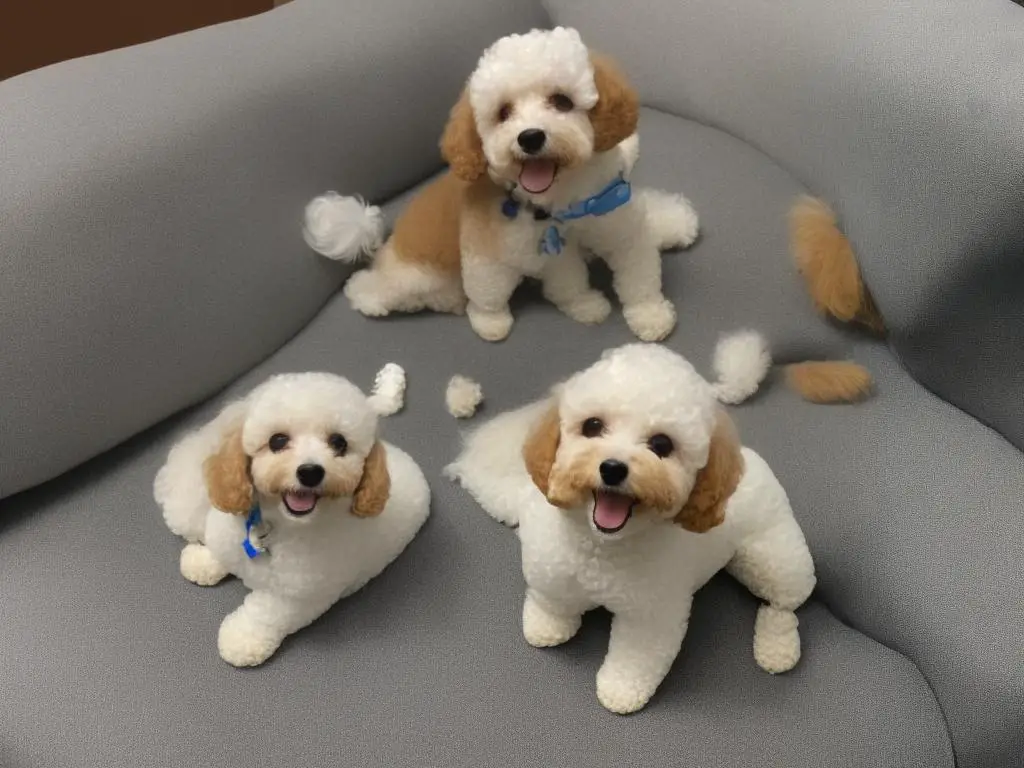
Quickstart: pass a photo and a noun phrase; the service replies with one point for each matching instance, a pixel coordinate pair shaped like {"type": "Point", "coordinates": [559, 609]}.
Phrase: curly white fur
{"type": "Point", "coordinates": [343, 228]}
{"type": "Point", "coordinates": [388, 395]}
{"type": "Point", "coordinates": [463, 396]}
{"type": "Point", "coordinates": [741, 362]}
{"type": "Point", "coordinates": [646, 573]}
{"type": "Point", "coordinates": [311, 560]}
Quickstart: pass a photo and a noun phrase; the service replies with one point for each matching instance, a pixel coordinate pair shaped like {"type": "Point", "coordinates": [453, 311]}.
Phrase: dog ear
{"type": "Point", "coordinates": [461, 146]}
{"type": "Point", "coordinates": [227, 475]}
{"type": "Point", "coordinates": [617, 112]}
{"type": "Point", "coordinates": [375, 485]}
{"type": "Point", "coordinates": [716, 481]}
{"type": "Point", "coordinates": [541, 446]}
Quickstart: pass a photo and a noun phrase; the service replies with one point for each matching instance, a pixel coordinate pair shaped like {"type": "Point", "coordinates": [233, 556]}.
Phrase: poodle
{"type": "Point", "coordinates": [631, 490]}
{"type": "Point", "coordinates": [291, 490]}
{"type": "Point", "coordinates": [540, 147]}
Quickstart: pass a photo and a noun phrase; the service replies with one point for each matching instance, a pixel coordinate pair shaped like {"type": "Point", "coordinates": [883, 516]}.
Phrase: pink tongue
{"type": "Point", "coordinates": [611, 510]}
{"type": "Point", "coordinates": [300, 501]}
{"type": "Point", "coordinates": [537, 175]}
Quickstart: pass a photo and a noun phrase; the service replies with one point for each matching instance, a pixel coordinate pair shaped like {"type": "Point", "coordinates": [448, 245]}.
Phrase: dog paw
{"type": "Point", "coordinates": [544, 630]}
{"type": "Point", "coordinates": [590, 309]}
{"type": "Point", "coordinates": [621, 694]}
{"type": "Point", "coordinates": [652, 320]}
{"type": "Point", "coordinates": [243, 643]}
{"type": "Point", "coordinates": [362, 293]}
{"type": "Point", "coordinates": [490, 326]}
{"type": "Point", "coordinates": [198, 565]}
{"type": "Point", "coordinates": [776, 639]}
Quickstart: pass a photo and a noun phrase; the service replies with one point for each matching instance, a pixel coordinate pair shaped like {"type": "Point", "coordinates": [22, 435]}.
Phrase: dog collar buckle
{"type": "Point", "coordinates": [256, 532]}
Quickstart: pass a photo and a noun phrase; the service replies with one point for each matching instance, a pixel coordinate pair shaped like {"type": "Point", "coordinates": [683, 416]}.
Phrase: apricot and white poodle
{"type": "Point", "coordinates": [540, 147]}
{"type": "Point", "coordinates": [631, 490]}
{"type": "Point", "coordinates": [291, 490]}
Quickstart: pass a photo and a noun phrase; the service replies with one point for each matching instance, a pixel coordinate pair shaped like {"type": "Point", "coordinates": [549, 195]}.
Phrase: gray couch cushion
{"type": "Point", "coordinates": [151, 198]}
{"type": "Point", "coordinates": [116, 661]}
{"type": "Point", "coordinates": [907, 116]}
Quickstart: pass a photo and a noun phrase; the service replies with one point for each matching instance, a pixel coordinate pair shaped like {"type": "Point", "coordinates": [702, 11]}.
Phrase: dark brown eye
{"type": "Point", "coordinates": [592, 427]}
{"type": "Point", "coordinates": [504, 113]}
{"type": "Point", "coordinates": [277, 442]}
{"type": "Point", "coordinates": [338, 444]}
{"type": "Point", "coordinates": [561, 102]}
{"type": "Point", "coordinates": [661, 445]}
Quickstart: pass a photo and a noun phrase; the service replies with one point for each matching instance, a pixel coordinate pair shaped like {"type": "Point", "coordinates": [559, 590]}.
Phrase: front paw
{"type": "Point", "coordinates": [652, 320]}
{"type": "Point", "coordinates": [198, 565]}
{"type": "Point", "coordinates": [776, 639]}
{"type": "Point", "coordinates": [363, 292]}
{"type": "Point", "coordinates": [545, 630]}
{"type": "Point", "coordinates": [590, 309]}
{"type": "Point", "coordinates": [490, 325]}
{"type": "Point", "coordinates": [245, 643]}
{"type": "Point", "coordinates": [620, 692]}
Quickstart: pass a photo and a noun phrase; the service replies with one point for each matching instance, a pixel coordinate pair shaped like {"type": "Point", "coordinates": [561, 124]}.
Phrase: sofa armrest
{"type": "Point", "coordinates": [906, 116]}
{"type": "Point", "coordinates": [151, 203]}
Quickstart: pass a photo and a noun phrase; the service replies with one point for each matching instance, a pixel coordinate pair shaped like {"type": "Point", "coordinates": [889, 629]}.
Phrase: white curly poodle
{"type": "Point", "coordinates": [631, 490]}
{"type": "Point", "coordinates": [291, 490]}
{"type": "Point", "coordinates": [540, 147]}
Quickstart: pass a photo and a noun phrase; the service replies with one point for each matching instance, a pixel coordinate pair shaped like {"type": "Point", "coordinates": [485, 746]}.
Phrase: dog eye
{"type": "Point", "coordinates": [505, 112]}
{"type": "Point", "coordinates": [338, 444]}
{"type": "Point", "coordinates": [277, 442]}
{"type": "Point", "coordinates": [661, 445]}
{"type": "Point", "coordinates": [561, 102]}
{"type": "Point", "coordinates": [592, 427]}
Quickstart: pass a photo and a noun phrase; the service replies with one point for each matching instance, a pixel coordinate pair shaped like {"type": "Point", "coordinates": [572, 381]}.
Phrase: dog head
{"type": "Point", "coordinates": [636, 440]}
{"type": "Point", "coordinates": [537, 104]}
{"type": "Point", "coordinates": [306, 440]}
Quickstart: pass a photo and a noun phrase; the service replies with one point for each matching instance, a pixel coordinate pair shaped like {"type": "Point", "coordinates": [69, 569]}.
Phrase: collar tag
{"type": "Point", "coordinates": [510, 208]}
{"type": "Point", "coordinates": [255, 532]}
{"type": "Point", "coordinates": [615, 195]}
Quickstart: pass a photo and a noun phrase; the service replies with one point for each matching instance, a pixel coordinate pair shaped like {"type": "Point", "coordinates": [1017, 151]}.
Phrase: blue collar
{"type": "Point", "coordinates": [615, 195]}
{"type": "Point", "coordinates": [254, 520]}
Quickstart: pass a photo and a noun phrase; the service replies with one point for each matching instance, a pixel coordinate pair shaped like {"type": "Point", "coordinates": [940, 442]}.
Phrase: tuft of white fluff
{"type": "Point", "coordinates": [388, 394]}
{"type": "Point", "coordinates": [463, 396]}
{"type": "Point", "coordinates": [342, 227]}
{"type": "Point", "coordinates": [741, 362]}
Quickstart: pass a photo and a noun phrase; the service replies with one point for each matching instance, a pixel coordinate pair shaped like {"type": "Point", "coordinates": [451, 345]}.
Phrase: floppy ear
{"type": "Point", "coordinates": [716, 481]}
{"type": "Point", "coordinates": [541, 446]}
{"type": "Point", "coordinates": [227, 475]}
{"type": "Point", "coordinates": [460, 143]}
{"type": "Point", "coordinates": [375, 485]}
{"type": "Point", "coordinates": [617, 112]}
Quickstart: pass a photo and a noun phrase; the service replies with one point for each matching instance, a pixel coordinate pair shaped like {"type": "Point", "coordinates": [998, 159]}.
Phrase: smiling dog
{"type": "Point", "coordinates": [292, 491]}
{"type": "Point", "coordinates": [631, 490]}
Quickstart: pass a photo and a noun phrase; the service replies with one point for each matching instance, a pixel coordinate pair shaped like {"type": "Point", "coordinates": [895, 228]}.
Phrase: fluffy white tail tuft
{"type": "Point", "coordinates": [741, 362]}
{"type": "Point", "coordinates": [388, 395]}
{"type": "Point", "coordinates": [343, 228]}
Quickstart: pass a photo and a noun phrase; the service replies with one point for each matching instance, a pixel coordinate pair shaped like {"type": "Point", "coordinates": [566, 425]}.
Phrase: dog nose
{"type": "Point", "coordinates": [613, 471]}
{"type": "Point", "coordinates": [310, 475]}
{"type": "Point", "coordinates": [532, 140]}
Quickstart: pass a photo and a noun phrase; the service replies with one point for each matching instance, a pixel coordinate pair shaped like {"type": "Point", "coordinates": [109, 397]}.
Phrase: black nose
{"type": "Point", "coordinates": [532, 140]}
{"type": "Point", "coordinates": [310, 475]}
{"type": "Point", "coordinates": [613, 471]}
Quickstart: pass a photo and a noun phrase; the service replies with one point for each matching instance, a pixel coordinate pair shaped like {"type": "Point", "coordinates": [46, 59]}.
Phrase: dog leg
{"type": "Point", "coordinates": [489, 285]}
{"type": "Point", "coordinates": [636, 269]}
{"type": "Point", "coordinates": [251, 633]}
{"type": "Point", "coordinates": [567, 286]}
{"type": "Point", "coordinates": [640, 653]}
{"type": "Point", "coordinates": [547, 623]}
{"type": "Point", "coordinates": [777, 567]}
{"type": "Point", "coordinates": [199, 566]}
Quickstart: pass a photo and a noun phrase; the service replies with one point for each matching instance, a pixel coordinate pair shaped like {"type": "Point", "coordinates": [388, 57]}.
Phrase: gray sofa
{"type": "Point", "coordinates": [150, 205]}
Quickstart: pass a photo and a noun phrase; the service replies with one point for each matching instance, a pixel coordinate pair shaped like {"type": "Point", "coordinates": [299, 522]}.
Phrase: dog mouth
{"type": "Point", "coordinates": [612, 510]}
{"type": "Point", "coordinates": [300, 503]}
{"type": "Point", "coordinates": [538, 174]}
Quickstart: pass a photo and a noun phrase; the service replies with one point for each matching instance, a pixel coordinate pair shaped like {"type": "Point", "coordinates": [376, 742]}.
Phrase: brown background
{"type": "Point", "coordinates": [34, 33]}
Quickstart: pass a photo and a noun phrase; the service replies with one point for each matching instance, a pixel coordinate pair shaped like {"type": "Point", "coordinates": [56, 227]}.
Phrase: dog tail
{"type": "Point", "coordinates": [742, 361]}
{"type": "Point", "coordinates": [342, 227]}
{"type": "Point", "coordinates": [388, 393]}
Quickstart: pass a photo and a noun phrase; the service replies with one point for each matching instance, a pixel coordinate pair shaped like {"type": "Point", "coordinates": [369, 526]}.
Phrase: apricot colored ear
{"type": "Point", "coordinates": [540, 448]}
{"type": "Point", "coordinates": [716, 481]}
{"type": "Point", "coordinates": [375, 485]}
{"type": "Point", "coordinates": [227, 475]}
{"type": "Point", "coordinates": [617, 112]}
{"type": "Point", "coordinates": [460, 143]}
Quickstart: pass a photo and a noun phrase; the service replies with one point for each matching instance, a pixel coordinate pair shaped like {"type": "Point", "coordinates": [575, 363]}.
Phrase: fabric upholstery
{"type": "Point", "coordinates": [151, 200]}
{"type": "Point", "coordinates": [907, 117]}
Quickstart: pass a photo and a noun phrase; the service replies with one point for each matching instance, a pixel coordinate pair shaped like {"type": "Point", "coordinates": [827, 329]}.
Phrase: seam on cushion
{"type": "Point", "coordinates": [950, 750]}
